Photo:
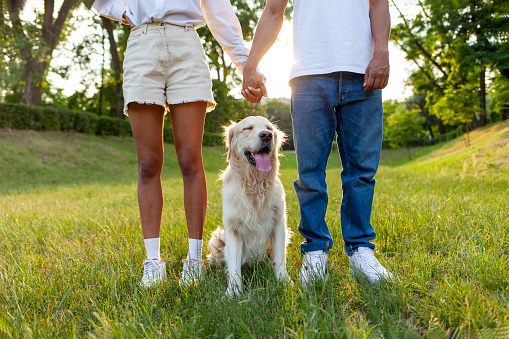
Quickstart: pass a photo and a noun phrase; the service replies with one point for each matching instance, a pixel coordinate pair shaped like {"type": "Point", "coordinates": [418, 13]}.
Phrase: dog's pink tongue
{"type": "Point", "coordinates": [263, 162]}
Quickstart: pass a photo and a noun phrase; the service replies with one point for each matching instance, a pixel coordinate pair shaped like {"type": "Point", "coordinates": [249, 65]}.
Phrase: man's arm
{"type": "Point", "coordinates": [267, 31]}
{"type": "Point", "coordinates": [377, 73]}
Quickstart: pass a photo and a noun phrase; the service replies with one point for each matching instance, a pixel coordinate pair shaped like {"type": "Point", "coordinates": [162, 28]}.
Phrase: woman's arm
{"type": "Point", "coordinates": [113, 9]}
{"type": "Point", "coordinates": [225, 26]}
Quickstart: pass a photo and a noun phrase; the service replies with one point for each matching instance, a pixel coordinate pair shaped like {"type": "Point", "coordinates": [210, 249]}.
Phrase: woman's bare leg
{"type": "Point", "coordinates": [188, 120]}
{"type": "Point", "coordinates": [147, 126]}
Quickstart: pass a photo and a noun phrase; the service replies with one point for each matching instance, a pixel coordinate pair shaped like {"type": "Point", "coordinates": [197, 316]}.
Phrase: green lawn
{"type": "Point", "coordinates": [71, 247]}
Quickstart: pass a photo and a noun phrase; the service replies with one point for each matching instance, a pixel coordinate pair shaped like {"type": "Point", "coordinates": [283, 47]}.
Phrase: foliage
{"type": "Point", "coordinates": [501, 95]}
{"type": "Point", "coordinates": [455, 106]}
{"type": "Point", "coordinates": [453, 44]}
{"type": "Point", "coordinates": [36, 41]}
{"type": "Point", "coordinates": [403, 126]}
{"type": "Point", "coordinates": [11, 67]}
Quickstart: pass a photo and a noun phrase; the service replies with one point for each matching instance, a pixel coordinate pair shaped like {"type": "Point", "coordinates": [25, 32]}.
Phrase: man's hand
{"type": "Point", "coordinates": [127, 21]}
{"type": "Point", "coordinates": [377, 73]}
{"type": "Point", "coordinates": [253, 86]}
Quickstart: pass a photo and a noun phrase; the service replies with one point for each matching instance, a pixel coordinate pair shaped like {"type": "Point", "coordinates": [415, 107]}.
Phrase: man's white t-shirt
{"type": "Point", "coordinates": [331, 36]}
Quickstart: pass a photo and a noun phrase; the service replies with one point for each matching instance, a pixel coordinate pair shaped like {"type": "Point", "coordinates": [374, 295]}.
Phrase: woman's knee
{"type": "Point", "coordinates": [190, 164]}
{"type": "Point", "coordinates": [149, 167]}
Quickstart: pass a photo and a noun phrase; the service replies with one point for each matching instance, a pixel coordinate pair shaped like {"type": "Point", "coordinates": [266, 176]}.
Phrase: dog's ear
{"type": "Point", "coordinates": [228, 135]}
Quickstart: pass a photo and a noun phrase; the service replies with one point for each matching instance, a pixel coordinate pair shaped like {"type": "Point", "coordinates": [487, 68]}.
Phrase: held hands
{"type": "Point", "coordinates": [127, 21]}
{"type": "Point", "coordinates": [377, 73]}
{"type": "Point", "coordinates": [253, 86]}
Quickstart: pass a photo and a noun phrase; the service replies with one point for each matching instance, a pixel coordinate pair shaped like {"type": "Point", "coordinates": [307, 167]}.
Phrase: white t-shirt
{"type": "Point", "coordinates": [331, 36]}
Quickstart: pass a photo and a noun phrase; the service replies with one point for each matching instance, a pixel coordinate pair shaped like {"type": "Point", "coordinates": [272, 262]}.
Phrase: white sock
{"type": "Point", "coordinates": [152, 248]}
{"type": "Point", "coordinates": [194, 249]}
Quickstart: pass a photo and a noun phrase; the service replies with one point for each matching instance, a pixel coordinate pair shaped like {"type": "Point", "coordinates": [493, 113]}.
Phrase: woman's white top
{"type": "Point", "coordinates": [217, 14]}
{"type": "Point", "coordinates": [331, 36]}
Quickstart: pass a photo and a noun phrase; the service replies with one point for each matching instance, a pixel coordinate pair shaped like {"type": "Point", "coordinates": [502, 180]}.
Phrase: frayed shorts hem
{"type": "Point", "coordinates": [211, 104]}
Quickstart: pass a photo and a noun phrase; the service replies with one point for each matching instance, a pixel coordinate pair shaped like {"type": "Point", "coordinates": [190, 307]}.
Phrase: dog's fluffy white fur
{"type": "Point", "coordinates": [254, 210]}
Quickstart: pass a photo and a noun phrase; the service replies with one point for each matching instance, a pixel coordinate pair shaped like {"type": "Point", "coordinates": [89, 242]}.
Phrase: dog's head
{"type": "Point", "coordinates": [255, 142]}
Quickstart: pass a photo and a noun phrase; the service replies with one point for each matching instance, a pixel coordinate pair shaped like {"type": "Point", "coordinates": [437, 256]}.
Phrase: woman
{"type": "Point", "coordinates": [165, 66]}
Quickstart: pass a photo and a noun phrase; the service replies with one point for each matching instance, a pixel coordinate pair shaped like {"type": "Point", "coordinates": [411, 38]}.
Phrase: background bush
{"type": "Point", "coordinates": [54, 118]}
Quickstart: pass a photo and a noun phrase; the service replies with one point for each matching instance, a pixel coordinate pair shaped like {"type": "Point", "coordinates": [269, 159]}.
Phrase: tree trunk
{"type": "Point", "coordinates": [482, 94]}
{"type": "Point", "coordinates": [441, 127]}
{"type": "Point", "coordinates": [504, 112]}
{"type": "Point", "coordinates": [430, 132]}
{"type": "Point", "coordinates": [2, 18]}
{"type": "Point", "coordinates": [34, 73]}
{"type": "Point", "coordinates": [99, 108]}
{"type": "Point", "coordinates": [467, 139]}
{"type": "Point", "coordinates": [117, 69]}
{"type": "Point", "coordinates": [37, 59]}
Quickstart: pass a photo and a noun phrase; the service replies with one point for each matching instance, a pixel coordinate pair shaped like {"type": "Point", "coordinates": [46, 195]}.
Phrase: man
{"type": "Point", "coordinates": [341, 63]}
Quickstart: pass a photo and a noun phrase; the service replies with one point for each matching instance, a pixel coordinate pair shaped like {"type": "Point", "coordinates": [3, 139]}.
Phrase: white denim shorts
{"type": "Point", "coordinates": [165, 65]}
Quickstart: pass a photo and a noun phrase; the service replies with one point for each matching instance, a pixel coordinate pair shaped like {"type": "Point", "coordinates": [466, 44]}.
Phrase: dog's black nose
{"type": "Point", "coordinates": [266, 135]}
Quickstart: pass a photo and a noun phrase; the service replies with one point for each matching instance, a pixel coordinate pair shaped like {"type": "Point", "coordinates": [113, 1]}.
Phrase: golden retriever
{"type": "Point", "coordinates": [254, 209]}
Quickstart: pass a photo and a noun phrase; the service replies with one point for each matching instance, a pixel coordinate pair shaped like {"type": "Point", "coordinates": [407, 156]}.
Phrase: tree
{"type": "Point", "coordinates": [36, 43]}
{"type": "Point", "coordinates": [455, 106]}
{"type": "Point", "coordinates": [453, 44]}
{"type": "Point", "coordinates": [501, 98]}
{"type": "Point", "coordinates": [10, 64]}
{"type": "Point", "coordinates": [403, 126]}
{"type": "Point", "coordinates": [418, 101]}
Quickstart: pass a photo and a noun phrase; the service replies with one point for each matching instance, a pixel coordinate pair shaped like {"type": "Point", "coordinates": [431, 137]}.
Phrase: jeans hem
{"type": "Point", "coordinates": [305, 247]}
{"type": "Point", "coordinates": [352, 249]}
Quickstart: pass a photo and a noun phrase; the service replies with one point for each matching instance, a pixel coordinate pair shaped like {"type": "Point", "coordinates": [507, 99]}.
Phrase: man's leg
{"type": "Point", "coordinates": [314, 123]}
{"type": "Point", "coordinates": [360, 124]}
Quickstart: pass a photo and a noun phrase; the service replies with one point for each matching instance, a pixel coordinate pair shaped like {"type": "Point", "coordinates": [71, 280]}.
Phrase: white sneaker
{"type": "Point", "coordinates": [154, 271]}
{"type": "Point", "coordinates": [192, 272]}
{"type": "Point", "coordinates": [313, 266]}
{"type": "Point", "coordinates": [363, 261]}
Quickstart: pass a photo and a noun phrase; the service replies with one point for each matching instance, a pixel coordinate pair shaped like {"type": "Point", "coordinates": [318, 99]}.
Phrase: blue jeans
{"type": "Point", "coordinates": [323, 107]}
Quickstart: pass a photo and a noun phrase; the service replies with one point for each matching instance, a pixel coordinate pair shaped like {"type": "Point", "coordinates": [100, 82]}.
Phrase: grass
{"type": "Point", "coordinates": [71, 248]}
